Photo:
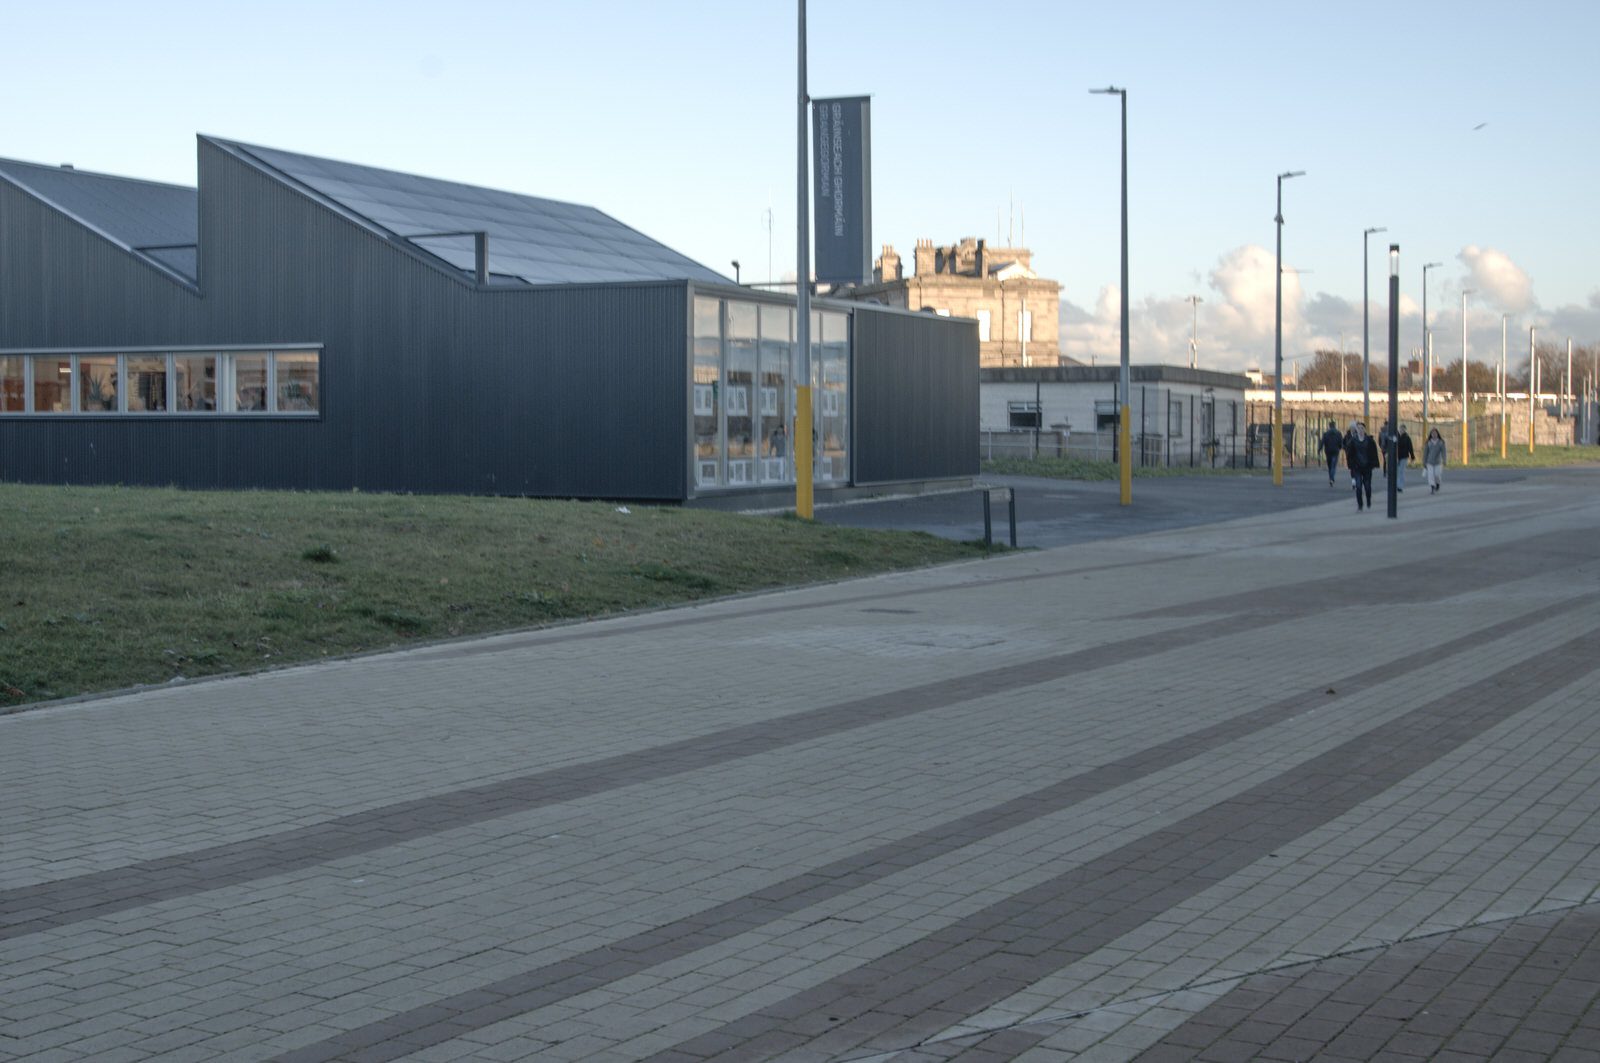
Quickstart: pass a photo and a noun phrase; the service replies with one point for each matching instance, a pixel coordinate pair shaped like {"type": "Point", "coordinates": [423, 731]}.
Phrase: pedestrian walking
{"type": "Point", "coordinates": [1362, 457]}
{"type": "Point", "coordinates": [1403, 452]}
{"type": "Point", "coordinates": [1384, 437]}
{"type": "Point", "coordinates": [1332, 447]}
{"type": "Point", "coordinates": [1433, 459]}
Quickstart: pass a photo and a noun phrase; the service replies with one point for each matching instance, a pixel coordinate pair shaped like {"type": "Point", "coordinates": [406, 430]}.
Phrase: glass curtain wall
{"type": "Point", "coordinates": [831, 358]}
{"type": "Point", "coordinates": [739, 377]}
{"type": "Point", "coordinates": [706, 374]}
{"type": "Point", "coordinates": [744, 375]}
{"type": "Point", "coordinates": [775, 396]}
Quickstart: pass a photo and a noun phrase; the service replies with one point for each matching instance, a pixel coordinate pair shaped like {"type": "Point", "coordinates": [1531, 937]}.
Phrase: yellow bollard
{"type": "Point", "coordinates": [802, 453]}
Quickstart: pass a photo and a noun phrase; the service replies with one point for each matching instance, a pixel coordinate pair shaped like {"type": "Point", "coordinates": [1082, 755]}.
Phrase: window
{"type": "Point", "coordinates": [247, 383]}
{"type": "Point", "coordinates": [97, 384]}
{"type": "Point", "coordinates": [1176, 412]}
{"type": "Point", "coordinates": [983, 326]}
{"type": "Point", "coordinates": [13, 386]}
{"type": "Point", "coordinates": [1105, 414]}
{"type": "Point", "coordinates": [1022, 415]}
{"type": "Point", "coordinates": [52, 385]}
{"type": "Point", "coordinates": [195, 382]}
{"type": "Point", "coordinates": [296, 374]}
{"type": "Point", "coordinates": [147, 383]}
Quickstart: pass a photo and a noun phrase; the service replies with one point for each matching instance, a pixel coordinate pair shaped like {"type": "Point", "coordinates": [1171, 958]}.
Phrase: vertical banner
{"type": "Point", "coordinates": [841, 140]}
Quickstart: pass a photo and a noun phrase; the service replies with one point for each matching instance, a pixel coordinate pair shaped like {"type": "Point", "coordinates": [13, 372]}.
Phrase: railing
{"type": "Point", "coordinates": [1150, 450]}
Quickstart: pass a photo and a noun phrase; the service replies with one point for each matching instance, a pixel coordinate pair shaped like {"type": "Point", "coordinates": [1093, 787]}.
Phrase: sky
{"type": "Point", "coordinates": [1467, 129]}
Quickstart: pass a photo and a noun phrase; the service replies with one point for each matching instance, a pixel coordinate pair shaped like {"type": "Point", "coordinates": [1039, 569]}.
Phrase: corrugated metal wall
{"type": "Point", "coordinates": [428, 385]}
{"type": "Point", "coordinates": [915, 396]}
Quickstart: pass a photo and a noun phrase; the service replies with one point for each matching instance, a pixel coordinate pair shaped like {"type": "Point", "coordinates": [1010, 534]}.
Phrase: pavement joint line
{"type": "Point", "coordinates": [633, 955]}
{"type": "Point", "coordinates": [1086, 929]}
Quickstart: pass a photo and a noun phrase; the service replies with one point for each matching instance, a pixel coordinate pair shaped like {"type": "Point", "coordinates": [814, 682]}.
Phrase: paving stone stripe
{"type": "Point", "coordinates": [43, 906]}
{"type": "Point", "coordinates": [32, 909]}
{"type": "Point", "coordinates": [913, 993]}
{"type": "Point", "coordinates": [1524, 988]}
{"type": "Point", "coordinates": [553, 983]}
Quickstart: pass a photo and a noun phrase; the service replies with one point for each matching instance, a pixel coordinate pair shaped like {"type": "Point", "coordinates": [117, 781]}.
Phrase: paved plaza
{"type": "Point", "coordinates": [1304, 784]}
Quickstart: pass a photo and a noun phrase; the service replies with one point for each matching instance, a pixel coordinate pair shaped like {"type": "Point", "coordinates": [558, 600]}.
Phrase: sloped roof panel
{"type": "Point", "coordinates": [541, 241]}
{"type": "Point", "coordinates": [136, 214]}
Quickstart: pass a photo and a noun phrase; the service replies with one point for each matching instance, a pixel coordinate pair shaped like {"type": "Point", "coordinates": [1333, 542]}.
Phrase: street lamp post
{"type": "Point", "coordinates": [1366, 365]}
{"type": "Point", "coordinates": [1503, 318]}
{"type": "Point", "coordinates": [803, 470]}
{"type": "Point", "coordinates": [1194, 302]}
{"type": "Point", "coordinates": [1427, 348]}
{"type": "Point", "coordinates": [1533, 346]}
{"type": "Point", "coordinates": [1393, 489]}
{"type": "Point", "coordinates": [1124, 433]}
{"type": "Point", "coordinates": [1277, 342]}
{"type": "Point", "coordinates": [1466, 449]}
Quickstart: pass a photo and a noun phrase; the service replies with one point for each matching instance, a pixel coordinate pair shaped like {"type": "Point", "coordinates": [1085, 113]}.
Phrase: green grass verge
{"type": "Point", "coordinates": [1541, 458]}
{"type": "Point", "coordinates": [104, 588]}
{"type": "Point", "coordinates": [1083, 469]}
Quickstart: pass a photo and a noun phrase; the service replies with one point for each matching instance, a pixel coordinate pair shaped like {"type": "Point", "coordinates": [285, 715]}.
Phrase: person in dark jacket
{"type": "Point", "coordinates": [1403, 452]}
{"type": "Point", "coordinates": [1361, 454]}
{"type": "Point", "coordinates": [1332, 447]}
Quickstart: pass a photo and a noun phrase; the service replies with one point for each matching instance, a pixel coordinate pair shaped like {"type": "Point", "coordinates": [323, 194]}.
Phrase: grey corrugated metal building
{"type": "Point", "coordinates": [302, 323]}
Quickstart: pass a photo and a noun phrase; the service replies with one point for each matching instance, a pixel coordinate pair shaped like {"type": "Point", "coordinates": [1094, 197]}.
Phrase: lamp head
{"type": "Point", "coordinates": [1394, 260]}
{"type": "Point", "coordinates": [1109, 90]}
{"type": "Point", "coordinates": [1369, 232]}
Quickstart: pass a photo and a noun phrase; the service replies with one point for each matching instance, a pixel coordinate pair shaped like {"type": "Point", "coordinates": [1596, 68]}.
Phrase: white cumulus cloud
{"type": "Point", "coordinates": [1498, 278]}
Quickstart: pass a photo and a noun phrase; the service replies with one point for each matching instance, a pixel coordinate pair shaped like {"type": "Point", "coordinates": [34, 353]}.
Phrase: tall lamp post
{"type": "Point", "coordinates": [1427, 349]}
{"type": "Point", "coordinates": [1466, 448]}
{"type": "Point", "coordinates": [1194, 302]}
{"type": "Point", "coordinates": [1124, 433]}
{"type": "Point", "coordinates": [803, 470]}
{"type": "Point", "coordinates": [1533, 358]}
{"type": "Point", "coordinates": [1366, 364]}
{"type": "Point", "coordinates": [1503, 318]}
{"type": "Point", "coordinates": [1393, 489]}
{"type": "Point", "coordinates": [1277, 342]}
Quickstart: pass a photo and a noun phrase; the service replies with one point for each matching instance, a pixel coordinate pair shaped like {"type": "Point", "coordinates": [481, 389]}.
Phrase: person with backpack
{"type": "Point", "coordinates": [1361, 454]}
{"type": "Point", "coordinates": [1332, 447]}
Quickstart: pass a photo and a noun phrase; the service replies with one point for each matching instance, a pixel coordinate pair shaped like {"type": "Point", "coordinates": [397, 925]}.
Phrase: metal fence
{"type": "Point", "coordinates": [1227, 451]}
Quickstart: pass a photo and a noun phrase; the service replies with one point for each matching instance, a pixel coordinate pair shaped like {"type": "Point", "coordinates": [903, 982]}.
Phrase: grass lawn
{"type": "Point", "coordinates": [106, 587]}
{"type": "Point", "coordinates": [1519, 458]}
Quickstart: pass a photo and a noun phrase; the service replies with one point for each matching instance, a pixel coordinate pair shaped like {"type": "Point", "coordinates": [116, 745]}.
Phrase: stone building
{"type": "Point", "coordinates": [1017, 310]}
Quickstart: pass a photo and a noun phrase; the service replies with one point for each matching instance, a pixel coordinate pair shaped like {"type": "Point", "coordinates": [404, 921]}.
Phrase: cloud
{"type": "Point", "coordinates": [1497, 278]}
{"type": "Point", "coordinates": [1234, 324]}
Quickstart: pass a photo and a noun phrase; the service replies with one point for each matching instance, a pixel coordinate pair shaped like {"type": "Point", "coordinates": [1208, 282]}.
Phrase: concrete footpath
{"type": "Point", "coordinates": [1306, 784]}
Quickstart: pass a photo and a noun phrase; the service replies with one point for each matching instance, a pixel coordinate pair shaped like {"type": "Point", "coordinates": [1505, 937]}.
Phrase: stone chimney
{"type": "Point", "coordinates": [924, 263]}
{"type": "Point", "coordinates": [980, 261]}
{"type": "Point", "coordinates": [888, 267]}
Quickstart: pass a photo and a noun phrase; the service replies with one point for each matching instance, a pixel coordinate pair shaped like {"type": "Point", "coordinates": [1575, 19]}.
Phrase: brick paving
{"type": "Point", "coordinates": [1312, 785]}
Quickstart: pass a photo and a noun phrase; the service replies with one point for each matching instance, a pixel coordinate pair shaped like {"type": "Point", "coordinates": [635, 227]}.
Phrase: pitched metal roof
{"type": "Point", "coordinates": [160, 222]}
{"type": "Point", "coordinates": [537, 241]}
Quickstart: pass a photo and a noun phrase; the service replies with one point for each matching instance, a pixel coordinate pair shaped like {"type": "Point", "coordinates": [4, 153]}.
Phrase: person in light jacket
{"type": "Point", "coordinates": [1433, 459]}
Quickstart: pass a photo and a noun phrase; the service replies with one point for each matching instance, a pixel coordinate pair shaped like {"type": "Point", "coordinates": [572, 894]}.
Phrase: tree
{"type": "Point", "coordinates": [1323, 373]}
